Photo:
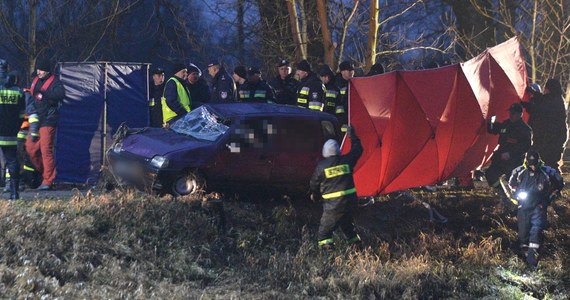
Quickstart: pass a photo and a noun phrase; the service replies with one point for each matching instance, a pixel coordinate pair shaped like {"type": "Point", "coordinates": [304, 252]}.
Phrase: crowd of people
{"type": "Point", "coordinates": [186, 89]}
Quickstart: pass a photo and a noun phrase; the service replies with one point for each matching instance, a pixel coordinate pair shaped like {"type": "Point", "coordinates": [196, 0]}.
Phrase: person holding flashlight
{"type": "Point", "coordinates": [534, 186]}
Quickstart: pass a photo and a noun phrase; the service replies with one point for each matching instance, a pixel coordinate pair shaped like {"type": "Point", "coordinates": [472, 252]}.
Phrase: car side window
{"type": "Point", "coordinates": [329, 131]}
{"type": "Point", "coordinates": [252, 133]}
{"type": "Point", "coordinates": [299, 135]}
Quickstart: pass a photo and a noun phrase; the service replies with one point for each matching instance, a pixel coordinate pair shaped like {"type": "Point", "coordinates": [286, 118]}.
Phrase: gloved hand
{"type": "Point", "coordinates": [350, 131]}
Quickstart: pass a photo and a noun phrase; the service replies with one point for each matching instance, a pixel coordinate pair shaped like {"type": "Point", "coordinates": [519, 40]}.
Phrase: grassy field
{"type": "Point", "coordinates": [127, 245]}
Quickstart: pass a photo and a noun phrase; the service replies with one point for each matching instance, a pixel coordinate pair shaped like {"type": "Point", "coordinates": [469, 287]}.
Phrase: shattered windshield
{"type": "Point", "coordinates": [201, 124]}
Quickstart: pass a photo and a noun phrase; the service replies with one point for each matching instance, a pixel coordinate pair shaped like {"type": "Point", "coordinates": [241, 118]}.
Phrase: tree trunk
{"type": "Point", "coordinates": [295, 31]}
{"type": "Point", "coordinates": [372, 35]}
{"type": "Point", "coordinates": [327, 41]}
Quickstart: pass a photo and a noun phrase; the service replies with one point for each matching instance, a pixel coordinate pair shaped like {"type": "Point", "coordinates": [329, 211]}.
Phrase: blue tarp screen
{"type": "Point", "coordinates": [99, 97]}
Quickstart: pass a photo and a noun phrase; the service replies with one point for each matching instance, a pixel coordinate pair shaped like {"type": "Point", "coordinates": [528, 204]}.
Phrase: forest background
{"type": "Point", "coordinates": [400, 34]}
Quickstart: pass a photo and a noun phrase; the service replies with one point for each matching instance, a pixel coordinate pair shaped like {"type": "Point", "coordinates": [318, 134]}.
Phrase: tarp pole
{"type": "Point", "coordinates": [104, 135]}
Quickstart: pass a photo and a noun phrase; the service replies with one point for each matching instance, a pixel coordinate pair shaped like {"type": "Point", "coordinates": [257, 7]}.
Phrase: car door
{"type": "Point", "coordinates": [248, 156]}
{"type": "Point", "coordinates": [299, 143]}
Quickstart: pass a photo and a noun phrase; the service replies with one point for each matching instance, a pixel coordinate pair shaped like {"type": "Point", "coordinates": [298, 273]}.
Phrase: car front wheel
{"type": "Point", "coordinates": [188, 184]}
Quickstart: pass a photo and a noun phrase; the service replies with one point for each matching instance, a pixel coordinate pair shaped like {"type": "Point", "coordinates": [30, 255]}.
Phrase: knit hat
{"type": "Point", "coordinates": [241, 71]}
{"type": "Point", "coordinates": [304, 65]}
{"type": "Point", "coordinates": [331, 148]}
{"type": "Point", "coordinates": [326, 71]}
{"type": "Point", "coordinates": [43, 65]}
{"type": "Point", "coordinates": [177, 67]}
{"type": "Point", "coordinates": [192, 68]}
{"type": "Point", "coordinates": [516, 107]}
{"type": "Point", "coordinates": [346, 66]}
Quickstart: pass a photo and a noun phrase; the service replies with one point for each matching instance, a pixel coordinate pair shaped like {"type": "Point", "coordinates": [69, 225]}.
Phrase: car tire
{"type": "Point", "coordinates": [188, 184]}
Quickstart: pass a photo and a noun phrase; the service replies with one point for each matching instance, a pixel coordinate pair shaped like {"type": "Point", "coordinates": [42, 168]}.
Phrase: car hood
{"type": "Point", "coordinates": [159, 141]}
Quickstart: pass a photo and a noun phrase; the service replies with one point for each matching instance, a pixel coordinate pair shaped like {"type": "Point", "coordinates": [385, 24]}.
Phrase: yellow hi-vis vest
{"type": "Point", "coordinates": [183, 97]}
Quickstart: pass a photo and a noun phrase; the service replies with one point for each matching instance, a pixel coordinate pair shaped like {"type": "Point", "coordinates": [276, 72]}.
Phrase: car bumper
{"type": "Point", "coordinates": [137, 172]}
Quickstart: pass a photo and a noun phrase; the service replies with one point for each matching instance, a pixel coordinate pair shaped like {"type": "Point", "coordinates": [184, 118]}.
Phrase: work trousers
{"type": "Point", "coordinates": [12, 163]}
{"type": "Point", "coordinates": [41, 153]}
{"type": "Point", "coordinates": [337, 212]}
{"type": "Point", "coordinates": [531, 221]}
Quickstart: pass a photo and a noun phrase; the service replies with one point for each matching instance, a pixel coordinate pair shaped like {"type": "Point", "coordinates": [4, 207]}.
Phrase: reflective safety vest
{"type": "Point", "coordinates": [167, 113]}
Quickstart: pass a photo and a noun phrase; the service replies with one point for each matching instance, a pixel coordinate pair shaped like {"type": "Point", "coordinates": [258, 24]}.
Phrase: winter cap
{"type": "Point", "coordinates": [282, 63]}
{"type": "Point", "coordinates": [532, 158]}
{"type": "Point", "coordinates": [346, 66]}
{"type": "Point", "coordinates": [43, 65]}
{"type": "Point", "coordinates": [213, 62]}
{"type": "Point", "coordinates": [326, 71]}
{"type": "Point", "coordinates": [177, 67]}
{"type": "Point", "coordinates": [241, 71]}
{"type": "Point", "coordinates": [536, 87]}
{"type": "Point", "coordinates": [158, 71]}
{"type": "Point", "coordinates": [331, 148]}
{"type": "Point", "coordinates": [516, 107]}
{"type": "Point", "coordinates": [376, 68]}
{"type": "Point", "coordinates": [553, 86]}
{"type": "Point", "coordinates": [253, 70]}
{"type": "Point", "coordinates": [192, 68]}
{"type": "Point", "coordinates": [304, 65]}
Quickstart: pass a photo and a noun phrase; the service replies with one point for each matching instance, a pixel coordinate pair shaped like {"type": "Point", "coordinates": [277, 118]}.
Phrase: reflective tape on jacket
{"type": "Point", "coordinates": [28, 168]}
{"type": "Point", "coordinates": [301, 100]}
{"type": "Point", "coordinates": [304, 91]}
{"type": "Point", "coordinates": [339, 194]}
{"type": "Point", "coordinates": [326, 242]}
{"type": "Point", "coordinates": [315, 105]}
{"type": "Point", "coordinates": [8, 141]}
{"type": "Point", "coordinates": [337, 171]}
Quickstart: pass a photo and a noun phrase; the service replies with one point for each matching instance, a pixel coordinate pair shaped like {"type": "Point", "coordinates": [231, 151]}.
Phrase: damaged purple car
{"type": "Point", "coordinates": [225, 147]}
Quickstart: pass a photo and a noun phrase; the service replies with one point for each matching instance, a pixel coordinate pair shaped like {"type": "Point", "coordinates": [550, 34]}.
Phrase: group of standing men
{"type": "Point", "coordinates": [28, 120]}
{"type": "Point", "coordinates": [186, 89]}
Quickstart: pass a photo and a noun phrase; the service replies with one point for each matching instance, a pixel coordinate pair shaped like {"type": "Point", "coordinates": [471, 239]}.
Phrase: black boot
{"type": "Point", "coordinates": [14, 186]}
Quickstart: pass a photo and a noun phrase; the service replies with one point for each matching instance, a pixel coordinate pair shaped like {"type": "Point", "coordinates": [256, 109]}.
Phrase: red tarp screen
{"type": "Point", "coordinates": [422, 127]}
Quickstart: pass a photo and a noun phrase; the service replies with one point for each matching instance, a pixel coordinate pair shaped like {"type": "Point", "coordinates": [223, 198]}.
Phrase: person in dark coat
{"type": "Point", "coordinates": [284, 84]}
{"type": "Point", "coordinates": [514, 141]}
{"type": "Point", "coordinates": [46, 95]}
{"type": "Point", "coordinates": [156, 92]}
{"type": "Point", "coordinates": [535, 186]}
{"type": "Point", "coordinates": [346, 73]}
{"type": "Point", "coordinates": [311, 90]}
{"type": "Point", "coordinates": [332, 93]}
{"type": "Point", "coordinates": [12, 106]}
{"type": "Point", "coordinates": [376, 69]}
{"type": "Point", "coordinates": [239, 76]}
{"type": "Point", "coordinates": [256, 89]}
{"type": "Point", "coordinates": [197, 86]}
{"type": "Point", "coordinates": [332, 182]}
{"type": "Point", "coordinates": [547, 118]}
{"type": "Point", "coordinates": [222, 87]}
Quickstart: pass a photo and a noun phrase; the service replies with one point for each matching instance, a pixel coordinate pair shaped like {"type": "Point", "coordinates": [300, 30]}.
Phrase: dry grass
{"type": "Point", "coordinates": [128, 245]}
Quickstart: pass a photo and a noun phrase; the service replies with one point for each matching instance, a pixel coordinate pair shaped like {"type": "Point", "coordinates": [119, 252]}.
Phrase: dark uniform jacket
{"type": "Point", "coordinates": [12, 107]}
{"type": "Point", "coordinates": [259, 92]}
{"type": "Point", "coordinates": [332, 98]}
{"type": "Point", "coordinates": [155, 109]}
{"type": "Point", "coordinates": [342, 110]}
{"type": "Point", "coordinates": [199, 92]}
{"type": "Point", "coordinates": [333, 175]}
{"type": "Point", "coordinates": [310, 92]}
{"type": "Point", "coordinates": [548, 122]}
{"type": "Point", "coordinates": [285, 89]}
{"type": "Point", "coordinates": [222, 88]}
{"type": "Point", "coordinates": [514, 138]}
{"type": "Point", "coordinates": [45, 100]}
{"type": "Point", "coordinates": [539, 185]}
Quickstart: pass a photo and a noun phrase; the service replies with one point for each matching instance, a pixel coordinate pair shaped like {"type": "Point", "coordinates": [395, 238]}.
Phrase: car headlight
{"type": "Point", "coordinates": [522, 195]}
{"type": "Point", "coordinates": [159, 162]}
{"type": "Point", "coordinates": [118, 147]}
